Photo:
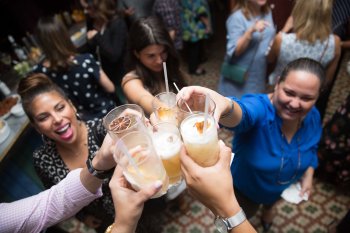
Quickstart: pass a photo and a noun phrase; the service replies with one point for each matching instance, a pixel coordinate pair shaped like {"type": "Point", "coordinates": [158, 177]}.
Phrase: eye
{"type": "Point", "coordinates": [289, 93]}
{"type": "Point", "coordinates": [42, 118]}
{"type": "Point", "coordinates": [60, 107]}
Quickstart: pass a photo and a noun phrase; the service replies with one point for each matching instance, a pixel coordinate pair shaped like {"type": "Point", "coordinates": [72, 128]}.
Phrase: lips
{"type": "Point", "coordinates": [65, 132]}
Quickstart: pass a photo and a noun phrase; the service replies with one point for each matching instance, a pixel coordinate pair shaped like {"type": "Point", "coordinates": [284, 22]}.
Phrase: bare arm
{"type": "Point", "coordinates": [137, 94]}
{"type": "Point", "coordinates": [227, 112]}
{"type": "Point", "coordinates": [275, 49]}
{"type": "Point", "coordinates": [106, 83]}
{"type": "Point", "coordinates": [330, 70]}
{"type": "Point", "coordinates": [245, 39]}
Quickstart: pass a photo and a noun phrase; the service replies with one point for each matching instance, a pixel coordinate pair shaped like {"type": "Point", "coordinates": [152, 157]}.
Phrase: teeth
{"type": "Point", "coordinates": [63, 129]}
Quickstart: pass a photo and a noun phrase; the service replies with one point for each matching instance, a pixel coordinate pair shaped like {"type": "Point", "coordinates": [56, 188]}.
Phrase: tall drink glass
{"type": "Point", "coordinates": [164, 107]}
{"type": "Point", "coordinates": [197, 105]}
{"type": "Point", "coordinates": [123, 119]}
{"type": "Point", "coordinates": [201, 145]}
{"type": "Point", "coordinates": [141, 165]}
{"type": "Point", "coordinates": [167, 142]}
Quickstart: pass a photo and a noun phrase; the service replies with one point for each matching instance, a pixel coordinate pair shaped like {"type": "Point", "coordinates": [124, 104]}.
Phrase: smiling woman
{"type": "Point", "coordinates": [68, 142]}
{"type": "Point", "coordinates": [276, 136]}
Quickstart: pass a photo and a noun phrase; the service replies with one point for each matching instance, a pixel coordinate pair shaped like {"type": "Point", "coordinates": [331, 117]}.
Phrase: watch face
{"type": "Point", "coordinates": [220, 225]}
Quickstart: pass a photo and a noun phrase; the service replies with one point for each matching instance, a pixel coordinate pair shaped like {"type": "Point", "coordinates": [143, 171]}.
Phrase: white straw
{"type": "Point", "coordinates": [125, 151]}
{"type": "Point", "coordinates": [188, 107]}
{"type": "Point", "coordinates": [166, 78]}
{"type": "Point", "coordinates": [206, 108]}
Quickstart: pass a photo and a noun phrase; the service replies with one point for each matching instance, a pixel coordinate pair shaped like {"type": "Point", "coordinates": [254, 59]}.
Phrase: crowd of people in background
{"type": "Point", "coordinates": [276, 113]}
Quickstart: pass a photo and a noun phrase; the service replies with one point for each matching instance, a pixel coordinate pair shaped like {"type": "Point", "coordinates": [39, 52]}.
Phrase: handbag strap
{"type": "Point", "coordinates": [324, 51]}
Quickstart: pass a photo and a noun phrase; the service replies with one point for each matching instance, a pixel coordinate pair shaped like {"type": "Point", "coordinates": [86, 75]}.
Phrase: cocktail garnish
{"type": "Point", "coordinates": [120, 123]}
{"type": "Point", "coordinates": [200, 126]}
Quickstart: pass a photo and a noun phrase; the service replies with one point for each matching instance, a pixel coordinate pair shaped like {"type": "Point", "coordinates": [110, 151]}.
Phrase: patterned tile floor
{"type": "Point", "coordinates": [325, 208]}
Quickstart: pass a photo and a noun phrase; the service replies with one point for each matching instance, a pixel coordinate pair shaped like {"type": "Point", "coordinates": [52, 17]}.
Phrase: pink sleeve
{"type": "Point", "coordinates": [47, 208]}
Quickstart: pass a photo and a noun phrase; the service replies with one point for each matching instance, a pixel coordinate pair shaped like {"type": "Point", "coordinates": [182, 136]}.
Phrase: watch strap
{"type": "Point", "coordinates": [236, 219]}
{"type": "Point", "coordinates": [98, 173]}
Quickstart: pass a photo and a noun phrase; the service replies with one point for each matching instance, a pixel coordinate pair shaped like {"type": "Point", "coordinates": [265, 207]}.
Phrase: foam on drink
{"type": "Point", "coordinates": [168, 146]}
{"type": "Point", "coordinates": [201, 144]}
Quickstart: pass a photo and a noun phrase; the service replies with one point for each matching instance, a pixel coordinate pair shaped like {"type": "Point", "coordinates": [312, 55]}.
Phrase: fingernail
{"type": "Point", "coordinates": [221, 142]}
{"type": "Point", "coordinates": [158, 184]}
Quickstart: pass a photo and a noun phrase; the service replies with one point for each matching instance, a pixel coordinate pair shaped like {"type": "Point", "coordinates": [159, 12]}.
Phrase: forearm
{"type": "Point", "coordinates": [47, 208]}
{"type": "Point", "coordinates": [244, 41]}
{"type": "Point", "coordinates": [232, 114]}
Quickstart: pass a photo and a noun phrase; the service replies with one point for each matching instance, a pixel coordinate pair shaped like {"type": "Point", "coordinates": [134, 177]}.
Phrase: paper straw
{"type": "Point", "coordinates": [206, 108]}
{"type": "Point", "coordinates": [188, 107]}
{"type": "Point", "coordinates": [166, 78]}
{"type": "Point", "coordinates": [121, 145]}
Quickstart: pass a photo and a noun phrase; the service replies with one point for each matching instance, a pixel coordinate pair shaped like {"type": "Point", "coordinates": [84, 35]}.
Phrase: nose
{"type": "Point", "coordinates": [295, 103]}
{"type": "Point", "coordinates": [159, 59]}
{"type": "Point", "coordinates": [57, 118]}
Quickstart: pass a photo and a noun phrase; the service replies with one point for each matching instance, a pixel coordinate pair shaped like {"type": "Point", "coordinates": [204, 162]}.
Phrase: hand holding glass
{"type": "Point", "coordinates": [141, 165]}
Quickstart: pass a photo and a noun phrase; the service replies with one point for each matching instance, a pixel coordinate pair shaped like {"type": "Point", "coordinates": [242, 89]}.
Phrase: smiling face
{"type": "Point", "coordinates": [55, 117]}
{"type": "Point", "coordinates": [152, 57]}
{"type": "Point", "coordinates": [294, 97]}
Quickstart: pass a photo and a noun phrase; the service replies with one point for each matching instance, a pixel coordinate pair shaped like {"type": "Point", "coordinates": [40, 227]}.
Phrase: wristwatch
{"type": "Point", "coordinates": [223, 225]}
{"type": "Point", "coordinates": [98, 173]}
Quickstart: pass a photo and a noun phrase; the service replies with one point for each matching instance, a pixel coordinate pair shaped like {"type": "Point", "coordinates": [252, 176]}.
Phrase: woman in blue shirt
{"type": "Point", "coordinates": [276, 136]}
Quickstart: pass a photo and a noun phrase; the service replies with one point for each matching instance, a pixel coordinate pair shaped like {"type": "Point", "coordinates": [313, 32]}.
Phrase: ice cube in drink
{"type": "Point", "coordinates": [201, 144]}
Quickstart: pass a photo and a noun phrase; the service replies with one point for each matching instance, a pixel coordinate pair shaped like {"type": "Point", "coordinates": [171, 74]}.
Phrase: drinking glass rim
{"type": "Point", "coordinates": [125, 106]}
{"type": "Point", "coordinates": [161, 93]}
{"type": "Point", "coordinates": [185, 110]}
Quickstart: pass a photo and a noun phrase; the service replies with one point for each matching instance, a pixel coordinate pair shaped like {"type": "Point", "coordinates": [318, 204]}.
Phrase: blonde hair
{"type": "Point", "coordinates": [312, 19]}
{"type": "Point", "coordinates": [247, 12]}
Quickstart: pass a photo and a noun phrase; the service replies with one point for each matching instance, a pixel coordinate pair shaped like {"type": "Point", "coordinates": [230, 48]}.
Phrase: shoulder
{"type": "Point", "coordinates": [313, 120]}
{"type": "Point", "coordinates": [130, 76]}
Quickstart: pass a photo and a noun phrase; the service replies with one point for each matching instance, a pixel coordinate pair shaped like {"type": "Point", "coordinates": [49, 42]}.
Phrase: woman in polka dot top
{"type": "Point", "coordinates": [79, 75]}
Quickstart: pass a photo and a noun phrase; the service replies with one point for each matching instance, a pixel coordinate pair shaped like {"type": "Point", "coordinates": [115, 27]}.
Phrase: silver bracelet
{"type": "Point", "coordinates": [229, 112]}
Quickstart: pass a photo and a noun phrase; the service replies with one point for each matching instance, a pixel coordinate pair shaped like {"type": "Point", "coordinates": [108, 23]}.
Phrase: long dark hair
{"type": "Point", "coordinates": [151, 31]}
{"type": "Point", "coordinates": [32, 86]}
{"type": "Point", "coordinates": [104, 10]}
{"type": "Point", "coordinates": [53, 38]}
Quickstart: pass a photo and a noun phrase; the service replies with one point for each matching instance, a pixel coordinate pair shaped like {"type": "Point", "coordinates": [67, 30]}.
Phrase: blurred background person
{"type": "Point", "coordinates": [107, 39]}
{"type": "Point", "coordinates": [313, 39]}
{"type": "Point", "coordinates": [169, 11]}
{"type": "Point", "coordinates": [196, 27]}
{"type": "Point", "coordinates": [250, 29]}
{"type": "Point", "coordinates": [135, 9]}
{"type": "Point", "coordinates": [79, 75]}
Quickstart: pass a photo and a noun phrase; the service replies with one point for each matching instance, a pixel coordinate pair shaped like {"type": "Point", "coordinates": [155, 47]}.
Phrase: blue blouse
{"type": "Point", "coordinates": [260, 148]}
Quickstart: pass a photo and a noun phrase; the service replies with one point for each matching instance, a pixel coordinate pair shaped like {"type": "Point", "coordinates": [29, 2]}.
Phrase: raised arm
{"type": "Point", "coordinates": [227, 111]}
{"type": "Point", "coordinates": [136, 93]}
{"type": "Point", "coordinates": [61, 201]}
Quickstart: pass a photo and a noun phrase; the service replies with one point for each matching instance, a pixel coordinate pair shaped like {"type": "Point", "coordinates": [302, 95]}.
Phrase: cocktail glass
{"type": "Point", "coordinates": [167, 142]}
{"type": "Point", "coordinates": [123, 119]}
{"type": "Point", "coordinates": [201, 144]}
{"type": "Point", "coordinates": [141, 165]}
{"type": "Point", "coordinates": [164, 107]}
{"type": "Point", "coordinates": [197, 105]}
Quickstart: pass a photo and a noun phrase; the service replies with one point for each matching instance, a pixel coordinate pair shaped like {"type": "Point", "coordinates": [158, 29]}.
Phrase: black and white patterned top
{"type": "Point", "coordinates": [51, 169]}
{"type": "Point", "coordinates": [81, 83]}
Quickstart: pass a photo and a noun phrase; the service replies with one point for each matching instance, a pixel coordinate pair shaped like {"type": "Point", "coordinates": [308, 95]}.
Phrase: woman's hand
{"type": "Point", "coordinates": [128, 203]}
{"type": "Point", "coordinates": [260, 25]}
{"type": "Point", "coordinates": [306, 182]}
{"type": "Point", "coordinates": [213, 186]}
{"type": "Point", "coordinates": [103, 159]}
{"type": "Point", "coordinates": [221, 102]}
